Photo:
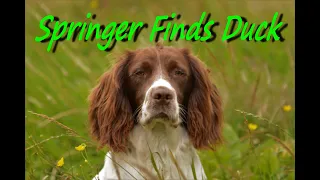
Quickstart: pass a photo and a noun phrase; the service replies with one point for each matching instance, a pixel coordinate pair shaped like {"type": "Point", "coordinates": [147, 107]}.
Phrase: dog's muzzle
{"type": "Point", "coordinates": [160, 105]}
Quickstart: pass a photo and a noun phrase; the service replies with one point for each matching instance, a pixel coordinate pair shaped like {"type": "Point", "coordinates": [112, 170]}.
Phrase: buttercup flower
{"type": "Point", "coordinates": [60, 163]}
{"type": "Point", "coordinates": [252, 127]}
{"type": "Point", "coordinates": [94, 4]}
{"type": "Point", "coordinates": [81, 147]}
{"type": "Point", "coordinates": [85, 161]}
{"type": "Point", "coordinates": [286, 108]}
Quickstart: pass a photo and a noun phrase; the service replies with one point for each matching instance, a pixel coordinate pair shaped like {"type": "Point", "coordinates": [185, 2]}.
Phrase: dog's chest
{"type": "Point", "coordinates": [168, 154]}
{"type": "Point", "coordinates": [160, 163]}
{"type": "Point", "coordinates": [161, 152]}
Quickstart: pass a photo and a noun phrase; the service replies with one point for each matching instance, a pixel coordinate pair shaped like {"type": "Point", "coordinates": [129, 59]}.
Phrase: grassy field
{"type": "Point", "coordinates": [255, 78]}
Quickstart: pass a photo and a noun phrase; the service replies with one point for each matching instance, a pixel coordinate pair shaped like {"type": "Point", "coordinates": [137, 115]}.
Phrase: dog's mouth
{"type": "Point", "coordinates": [160, 115]}
{"type": "Point", "coordinates": [161, 118]}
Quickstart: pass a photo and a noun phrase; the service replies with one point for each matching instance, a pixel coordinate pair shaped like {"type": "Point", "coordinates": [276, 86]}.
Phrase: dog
{"type": "Point", "coordinates": [154, 109]}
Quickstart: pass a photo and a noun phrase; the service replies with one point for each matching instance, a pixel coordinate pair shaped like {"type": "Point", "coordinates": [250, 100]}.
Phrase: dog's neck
{"type": "Point", "coordinates": [160, 139]}
{"type": "Point", "coordinates": [157, 138]}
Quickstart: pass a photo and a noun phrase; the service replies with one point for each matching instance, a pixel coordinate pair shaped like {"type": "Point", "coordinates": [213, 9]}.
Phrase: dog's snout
{"type": "Point", "coordinates": [162, 95]}
{"type": "Point", "coordinates": [160, 104]}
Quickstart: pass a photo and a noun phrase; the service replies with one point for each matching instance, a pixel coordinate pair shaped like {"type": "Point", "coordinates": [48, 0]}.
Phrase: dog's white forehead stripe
{"type": "Point", "coordinates": [161, 82]}
{"type": "Point", "coordinates": [158, 83]}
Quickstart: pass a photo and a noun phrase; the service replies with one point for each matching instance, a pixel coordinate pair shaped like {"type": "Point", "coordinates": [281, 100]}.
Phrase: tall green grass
{"type": "Point", "coordinates": [255, 80]}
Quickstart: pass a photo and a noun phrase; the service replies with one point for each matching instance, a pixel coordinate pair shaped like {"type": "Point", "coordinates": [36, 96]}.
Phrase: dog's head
{"type": "Point", "coordinates": [156, 85]}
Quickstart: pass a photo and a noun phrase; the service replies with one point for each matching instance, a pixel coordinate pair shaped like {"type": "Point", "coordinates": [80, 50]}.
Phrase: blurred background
{"type": "Point", "coordinates": [256, 81]}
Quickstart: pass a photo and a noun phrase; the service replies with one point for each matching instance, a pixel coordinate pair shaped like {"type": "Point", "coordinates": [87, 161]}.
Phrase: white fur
{"type": "Point", "coordinates": [160, 139]}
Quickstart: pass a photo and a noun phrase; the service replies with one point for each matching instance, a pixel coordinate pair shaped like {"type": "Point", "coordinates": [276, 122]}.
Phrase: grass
{"type": "Point", "coordinates": [255, 80]}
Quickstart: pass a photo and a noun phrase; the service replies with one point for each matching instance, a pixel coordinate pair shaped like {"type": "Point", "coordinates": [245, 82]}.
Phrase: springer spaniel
{"type": "Point", "coordinates": [158, 99]}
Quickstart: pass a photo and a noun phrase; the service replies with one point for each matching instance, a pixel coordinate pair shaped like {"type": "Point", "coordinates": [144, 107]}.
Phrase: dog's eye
{"type": "Point", "coordinates": [139, 73]}
{"type": "Point", "coordinates": [179, 73]}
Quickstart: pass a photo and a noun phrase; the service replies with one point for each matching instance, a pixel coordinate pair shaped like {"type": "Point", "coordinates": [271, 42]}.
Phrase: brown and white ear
{"type": "Point", "coordinates": [110, 113]}
{"type": "Point", "coordinates": [205, 115]}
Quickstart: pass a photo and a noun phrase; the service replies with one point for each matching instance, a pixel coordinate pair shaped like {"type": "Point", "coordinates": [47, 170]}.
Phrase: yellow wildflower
{"type": "Point", "coordinates": [85, 161]}
{"type": "Point", "coordinates": [60, 163]}
{"type": "Point", "coordinates": [81, 147]}
{"type": "Point", "coordinates": [94, 4]}
{"type": "Point", "coordinates": [286, 108]}
{"type": "Point", "coordinates": [252, 127]}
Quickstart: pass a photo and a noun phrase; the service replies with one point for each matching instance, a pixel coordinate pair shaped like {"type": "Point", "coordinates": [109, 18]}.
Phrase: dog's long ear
{"type": "Point", "coordinates": [205, 118]}
{"type": "Point", "coordinates": [110, 113]}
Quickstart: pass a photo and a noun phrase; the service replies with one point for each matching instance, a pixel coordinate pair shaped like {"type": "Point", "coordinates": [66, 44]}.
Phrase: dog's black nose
{"type": "Point", "coordinates": [162, 95]}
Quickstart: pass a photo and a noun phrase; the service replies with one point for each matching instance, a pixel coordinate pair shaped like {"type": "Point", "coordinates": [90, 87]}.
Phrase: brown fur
{"type": "Point", "coordinates": [205, 117]}
{"type": "Point", "coordinates": [110, 113]}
